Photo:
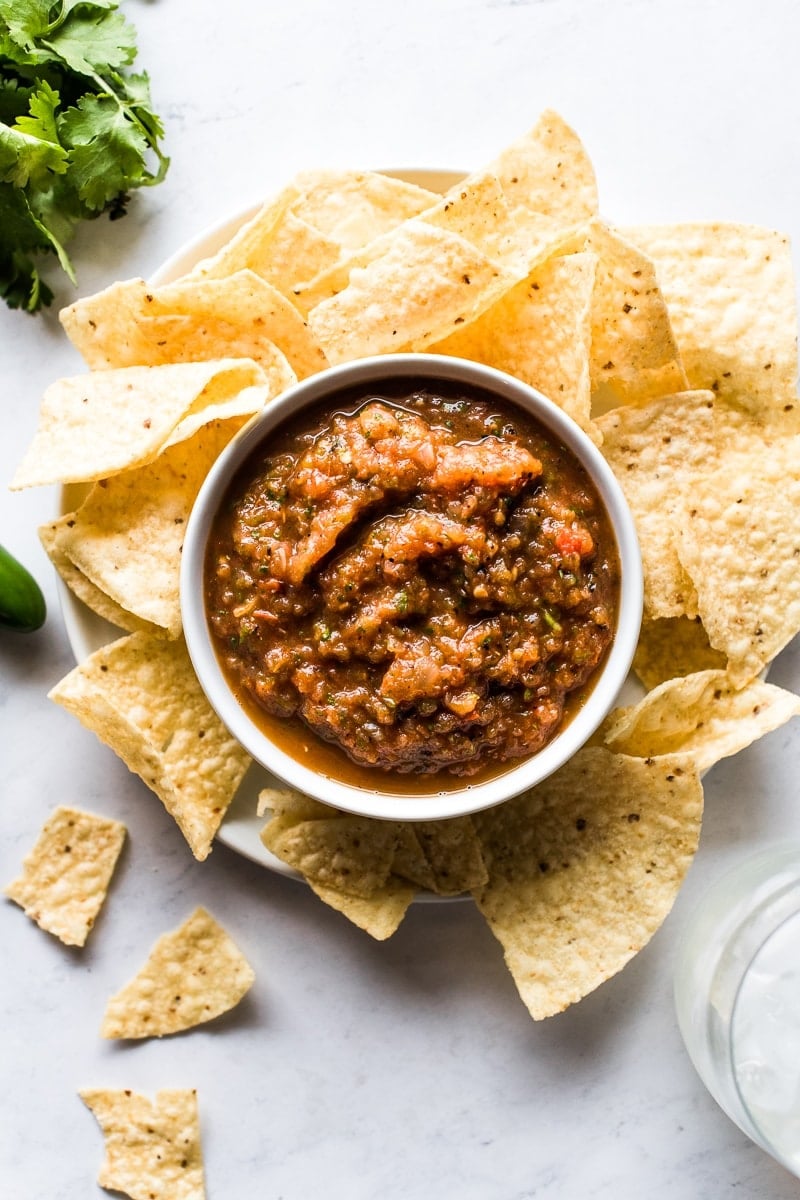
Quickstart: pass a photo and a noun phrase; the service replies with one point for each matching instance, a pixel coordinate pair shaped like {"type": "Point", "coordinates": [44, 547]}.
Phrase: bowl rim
{"type": "Point", "coordinates": [410, 805]}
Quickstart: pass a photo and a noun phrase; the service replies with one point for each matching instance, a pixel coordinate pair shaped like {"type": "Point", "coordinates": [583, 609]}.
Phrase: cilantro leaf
{"type": "Point", "coordinates": [94, 42]}
{"type": "Point", "coordinates": [21, 234]}
{"type": "Point", "coordinates": [26, 20]}
{"type": "Point", "coordinates": [107, 151]}
{"type": "Point", "coordinates": [26, 158]}
{"type": "Point", "coordinates": [77, 132]}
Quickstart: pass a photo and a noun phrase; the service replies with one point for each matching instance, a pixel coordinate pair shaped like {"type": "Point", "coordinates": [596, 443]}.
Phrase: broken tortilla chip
{"type": "Point", "coordinates": [153, 1148]}
{"type": "Point", "coordinates": [192, 976]}
{"type": "Point", "coordinates": [65, 877]}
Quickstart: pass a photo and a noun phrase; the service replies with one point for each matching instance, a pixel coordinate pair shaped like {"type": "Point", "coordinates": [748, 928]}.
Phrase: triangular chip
{"type": "Point", "coordinates": [410, 861]}
{"type": "Point", "coordinates": [352, 208]}
{"type": "Point", "coordinates": [141, 697]}
{"type": "Point", "coordinates": [192, 975]}
{"type": "Point", "coordinates": [194, 320]}
{"type": "Point", "coordinates": [379, 915]}
{"type": "Point", "coordinates": [584, 868]}
{"type": "Point", "coordinates": [634, 352]}
{"type": "Point", "coordinates": [276, 245]}
{"type": "Point", "coordinates": [658, 450]}
{"type": "Point", "coordinates": [320, 218]}
{"type": "Point", "coordinates": [702, 716]}
{"type": "Point", "coordinates": [93, 425]}
{"type": "Point", "coordinates": [740, 544]}
{"type": "Point", "coordinates": [285, 802]}
{"type": "Point", "coordinates": [52, 537]}
{"type": "Point", "coordinates": [127, 536]}
{"type": "Point", "coordinates": [671, 647]}
{"type": "Point", "coordinates": [730, 292]}
{"type": "Point", "coordinates": [66, 875]}
{"type": "Point", "coordinates": [424, 282]}
{"type": "Point", "coordinates": [548, 171]}
{"type": "Point", "coordinates": [477, 210]}
{"type": "Point", "coordinates": [243, 313]}
{"type": "Point", "coordinates": [153, 1148]}
{"type": "Point", "coordinates": [453, 852]}
{"type": "Point", "coordinates": [539, 331]}
{"type": "Point", "coordinates": [352, 854]}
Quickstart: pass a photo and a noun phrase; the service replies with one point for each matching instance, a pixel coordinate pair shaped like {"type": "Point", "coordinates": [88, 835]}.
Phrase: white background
{"type": "Point", "coordinates": [408, 1070]}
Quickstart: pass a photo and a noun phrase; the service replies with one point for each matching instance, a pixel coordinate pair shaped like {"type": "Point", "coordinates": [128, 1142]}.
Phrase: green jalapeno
{"type": "Point", "coordinates": [22, 604]}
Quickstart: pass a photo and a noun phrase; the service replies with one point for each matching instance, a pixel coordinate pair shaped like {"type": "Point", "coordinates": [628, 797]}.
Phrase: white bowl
{"type": "Point", "coordinates": [412, 804]}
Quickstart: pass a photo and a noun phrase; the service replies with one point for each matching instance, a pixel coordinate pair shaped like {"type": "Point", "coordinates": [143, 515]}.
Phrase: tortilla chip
{"type": "Point", "coordinates": [453, 853]}
{"type": "Point", "coordinates": [425, 282]}
{"type": "Point", "coordinates": [658, 451]}
{"type": "Point", "coordinates": [320, 218]}
{"type": "Point", "coordinates": [410, 861]}
{"type": "Point", "coordinates": [379, 915]}
{"type": "Point", "coordinates": [94, 425]}
{"type": "Point", "coordinates": [731, 296]}
{"type": "Point", "coordinates": [539, 331]}
{"type": "Point", "coordinates": [286, 802]}
{"type": "Point", "coordinates": [740, 544]}
{"type": "Point", "coordinates": [351, 854]}
{"type": "Point", "coordinates": [352, 208]}
{"type": "Point", "coordinates": [584, 868]}
{"type": "Point", "coordinates": [52, 538]}
{"type": "Point", "coordinates": [276, 245]}
{"type": "Point", "coordinates": [243, 316]}
{"type": "Point", "coordinates": [153, 1149]}
{"type": "Point", "coordinates": [548, 171]}
{"type": "Point", "coordinates": [243, 313]}
{"type": "Point", "coordinates": [477, 210]}
{"type": "Point", "coordinates": [702, 717]}
{"type": "Point", "coordinates": [634, 354]}
{"type": "Point", "coordinates": [66, 875]}
{"type": "Point", "coordinates": [141, 697]}
{"type": "Point", "coordinates": [192, 976]}
{"type": "Point", "coordinates": [127, 536]}
{"type": "Point", "coordinates": [743, 431]}
{"type": "Point", "coordinates": [672, 647]}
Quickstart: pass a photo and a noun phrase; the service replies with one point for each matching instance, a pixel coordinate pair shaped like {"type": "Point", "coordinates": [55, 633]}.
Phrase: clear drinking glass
{"type": "Point", "coordinates": [737, 995]}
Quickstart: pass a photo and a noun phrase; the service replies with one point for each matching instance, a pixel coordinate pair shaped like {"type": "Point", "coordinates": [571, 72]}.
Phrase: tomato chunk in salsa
{"type": "Point", "coordinates": [424, 578]}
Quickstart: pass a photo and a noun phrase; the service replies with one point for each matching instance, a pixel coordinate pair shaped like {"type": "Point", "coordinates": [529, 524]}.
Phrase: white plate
{"type": "Point", "coordinates": [87, 632]}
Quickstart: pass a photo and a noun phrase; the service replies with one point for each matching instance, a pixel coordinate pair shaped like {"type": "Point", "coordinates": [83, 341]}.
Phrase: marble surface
{"type": "Point", "coordinates": [408, 1070]}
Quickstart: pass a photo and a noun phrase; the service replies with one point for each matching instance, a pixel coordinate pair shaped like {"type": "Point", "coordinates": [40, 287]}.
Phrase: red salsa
{"type": "Point", "coordinates": [426, 578]}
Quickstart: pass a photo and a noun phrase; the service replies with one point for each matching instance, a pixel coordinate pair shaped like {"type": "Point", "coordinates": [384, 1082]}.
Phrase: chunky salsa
{"type": "Point", "coordinates": [424, 578]}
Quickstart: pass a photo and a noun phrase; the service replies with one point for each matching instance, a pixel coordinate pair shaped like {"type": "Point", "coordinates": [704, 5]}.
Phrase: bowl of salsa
{"type": "Point", "coordinates": [411, 587]}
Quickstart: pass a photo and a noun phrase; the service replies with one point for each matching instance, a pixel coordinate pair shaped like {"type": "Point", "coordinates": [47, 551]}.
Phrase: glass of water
{"type": "Point", "coordinates": [737, 995]}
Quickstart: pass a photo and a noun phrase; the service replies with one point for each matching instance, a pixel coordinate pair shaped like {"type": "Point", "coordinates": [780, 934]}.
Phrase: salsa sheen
{"type": "Point", "coordinates": [425, 579]}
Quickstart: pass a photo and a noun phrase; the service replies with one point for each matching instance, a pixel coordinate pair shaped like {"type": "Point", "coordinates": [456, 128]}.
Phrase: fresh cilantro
{"type": "Point", "coordinates": [77, 132]}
